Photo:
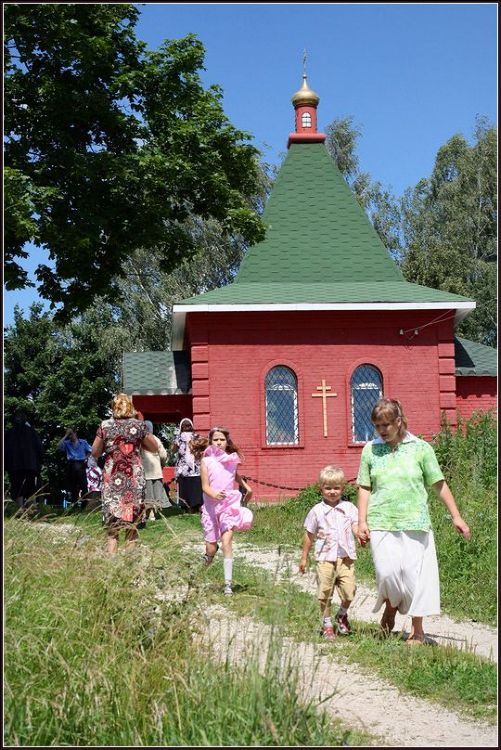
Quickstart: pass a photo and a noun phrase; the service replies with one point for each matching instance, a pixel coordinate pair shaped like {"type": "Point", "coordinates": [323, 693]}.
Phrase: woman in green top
{"type": "Point", "coordinates": [396, 470]}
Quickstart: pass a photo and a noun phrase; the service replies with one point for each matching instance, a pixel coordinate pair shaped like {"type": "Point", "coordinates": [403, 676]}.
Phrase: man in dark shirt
{"type": "Point", "coordinates": [23, 456]}
{"type": "Point", "coordinates": [77, 451]}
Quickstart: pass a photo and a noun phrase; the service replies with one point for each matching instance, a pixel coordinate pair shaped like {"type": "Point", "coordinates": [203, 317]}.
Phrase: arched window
{"type": "Point", "coordinates": [306, 120]}
{"type": "Point", "coordinates": [282, 424]}
{"type": "Point", "coordinates": [366, 389]}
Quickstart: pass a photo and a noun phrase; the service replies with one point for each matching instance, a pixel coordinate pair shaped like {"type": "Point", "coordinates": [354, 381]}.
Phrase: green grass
{"type": "Point", "coordinates": [92, 658]}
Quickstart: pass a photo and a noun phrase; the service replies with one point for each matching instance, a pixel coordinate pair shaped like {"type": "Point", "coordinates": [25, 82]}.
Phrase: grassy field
{"type": "Point", "coordinates": [93, 657]}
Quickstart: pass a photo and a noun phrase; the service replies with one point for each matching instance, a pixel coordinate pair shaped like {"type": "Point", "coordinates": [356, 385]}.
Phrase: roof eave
{"type": "Point", "coordinates": [180, 311]}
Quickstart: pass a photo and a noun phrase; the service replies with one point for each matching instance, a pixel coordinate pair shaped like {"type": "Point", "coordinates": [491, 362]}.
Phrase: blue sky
{"type": "Point", "coordinates": [411, 75]}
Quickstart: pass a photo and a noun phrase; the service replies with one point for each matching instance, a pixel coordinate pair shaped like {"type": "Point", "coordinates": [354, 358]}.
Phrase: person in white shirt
{"type": "Point", "coordinates": [330, 524]}
{"type": "Point", "coordinates": [155, 496]}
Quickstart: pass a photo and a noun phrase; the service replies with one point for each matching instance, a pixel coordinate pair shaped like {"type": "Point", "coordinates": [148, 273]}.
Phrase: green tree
{"type": "Point", "coordinates": [112, 147]}
{"type": "Point", "coordinates": [61, 376]}
{"type": "Point", "coordinates": [146, 293]}
{"type": "Point", "coordinates": [449, 227]}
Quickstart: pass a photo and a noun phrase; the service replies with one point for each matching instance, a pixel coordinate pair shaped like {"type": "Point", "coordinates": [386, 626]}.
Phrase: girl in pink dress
{"type": "Point", "coordinates": [222, 512]}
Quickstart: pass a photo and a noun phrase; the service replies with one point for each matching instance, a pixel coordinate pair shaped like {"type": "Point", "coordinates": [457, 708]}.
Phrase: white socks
{"type": "Point", "coordinates": [228, 569]}
{"type": "Point", "coordinates": [342, 611]}
{"type": "Point", "coordinates": [328, 622]}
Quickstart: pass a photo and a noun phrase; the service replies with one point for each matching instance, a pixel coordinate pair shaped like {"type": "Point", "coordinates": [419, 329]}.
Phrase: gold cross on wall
{"type": "Point", "coordinates": [324, 396]}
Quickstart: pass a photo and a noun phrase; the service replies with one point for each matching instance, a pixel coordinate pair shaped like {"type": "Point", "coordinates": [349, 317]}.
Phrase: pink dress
{"type": "Point", "coordinates": [219, 516]}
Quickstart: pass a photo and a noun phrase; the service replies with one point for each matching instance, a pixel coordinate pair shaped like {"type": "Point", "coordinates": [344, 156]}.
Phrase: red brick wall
{"type": "Point", "coordinates": [475, 393]}
{"type": "Point", "coordinates": [232, 352]}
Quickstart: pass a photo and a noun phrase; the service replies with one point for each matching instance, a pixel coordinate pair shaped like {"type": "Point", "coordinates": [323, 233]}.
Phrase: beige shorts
{"type": "Point", "coordinates": [339, 575]}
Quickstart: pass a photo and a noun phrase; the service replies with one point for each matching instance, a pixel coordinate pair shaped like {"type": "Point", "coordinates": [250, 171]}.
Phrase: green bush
{"type": "Point", "coordinates": [468, 455]}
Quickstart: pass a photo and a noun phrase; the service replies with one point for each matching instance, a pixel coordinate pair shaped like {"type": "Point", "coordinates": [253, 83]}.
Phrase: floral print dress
{"type": "Point", "coordinates": [123, 474]}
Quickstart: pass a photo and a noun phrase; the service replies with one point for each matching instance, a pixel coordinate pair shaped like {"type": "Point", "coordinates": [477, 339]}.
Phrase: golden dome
{"type": "Point", "coordinates": [305, 96]}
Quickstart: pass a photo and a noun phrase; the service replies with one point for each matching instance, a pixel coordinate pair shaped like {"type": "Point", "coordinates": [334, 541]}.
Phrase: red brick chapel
{"type": "Point", "coordinates": [317, 325]}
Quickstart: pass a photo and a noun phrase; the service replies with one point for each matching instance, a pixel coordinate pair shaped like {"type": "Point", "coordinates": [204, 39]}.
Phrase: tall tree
{"type": "Point", "coordinates": [61, 376]}
{"type": "Point", "coordinates": [449, 227]}
{"type": "Point", "coordinates": [110, 147]}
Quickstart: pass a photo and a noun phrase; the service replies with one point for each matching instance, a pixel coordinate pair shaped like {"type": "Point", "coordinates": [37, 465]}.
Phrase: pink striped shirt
{"type": "Point", "coordinates": [332, 526]}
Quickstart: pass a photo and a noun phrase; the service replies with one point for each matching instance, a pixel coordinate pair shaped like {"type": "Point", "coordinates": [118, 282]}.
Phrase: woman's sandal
{"type": "Point", "coordinates": [415, 641]}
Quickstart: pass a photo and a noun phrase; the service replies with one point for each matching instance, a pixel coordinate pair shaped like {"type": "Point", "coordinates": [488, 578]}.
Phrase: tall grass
{"type": "Point", "coordinates": [92, 657]}
{"type": "Point", "coordinates": [468, 570]}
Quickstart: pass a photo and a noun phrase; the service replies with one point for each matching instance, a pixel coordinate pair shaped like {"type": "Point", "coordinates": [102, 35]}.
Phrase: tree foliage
{"type": "Point", "coordinates": [61, 376]}
{"type": "Point", "coordinates": [111, 147]}
{"type": "Point", "coordinates": [449, 227]}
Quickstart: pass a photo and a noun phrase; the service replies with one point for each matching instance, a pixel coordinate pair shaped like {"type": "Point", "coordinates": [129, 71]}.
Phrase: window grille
{"type": "Point", "coordinates": [366, 389]}
{"type": "Point", "coordinates": [282, 423]}
{"type": "Point", "coordinates": [306, 120]}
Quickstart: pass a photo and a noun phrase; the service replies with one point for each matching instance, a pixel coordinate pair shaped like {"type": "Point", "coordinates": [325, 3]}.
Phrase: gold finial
{"type": "Point", "coordinates": [305, 96]}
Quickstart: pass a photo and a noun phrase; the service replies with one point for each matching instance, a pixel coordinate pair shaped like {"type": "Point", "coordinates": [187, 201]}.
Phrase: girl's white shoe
{"type": "Point", "coordinates": [227, 589]}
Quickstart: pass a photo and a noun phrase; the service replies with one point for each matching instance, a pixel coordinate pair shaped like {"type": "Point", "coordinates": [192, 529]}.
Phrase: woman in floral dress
{"type": "Point", "coordinates": [120, 439]}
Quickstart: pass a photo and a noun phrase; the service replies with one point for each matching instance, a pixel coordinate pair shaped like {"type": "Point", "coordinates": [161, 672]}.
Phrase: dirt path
{"type": "Point", "coordinates": [367, 703]}
{"type": "Point", "coordinates": [478, 638]}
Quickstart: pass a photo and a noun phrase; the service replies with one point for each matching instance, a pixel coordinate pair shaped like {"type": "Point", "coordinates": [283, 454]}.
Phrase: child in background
{"type": "Point", "coordinates": [331, 524]}
{"type": "Point", "coordinates": [222, 513]}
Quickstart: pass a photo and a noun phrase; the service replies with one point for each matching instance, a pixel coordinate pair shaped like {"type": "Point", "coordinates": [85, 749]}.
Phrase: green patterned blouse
{"type": "Point", "coordinates": [399, 480]}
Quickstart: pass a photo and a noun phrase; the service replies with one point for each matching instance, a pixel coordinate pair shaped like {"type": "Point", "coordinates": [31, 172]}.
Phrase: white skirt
{"type": "Point", "coordinates": [406, 571]}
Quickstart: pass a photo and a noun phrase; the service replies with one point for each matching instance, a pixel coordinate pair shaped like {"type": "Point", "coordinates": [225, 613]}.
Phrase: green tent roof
{"type": "Point", "coordinates": [473, 358]}
{"type": "Point", "coordinates": [320, 246]}
{"type": "Point", "coordinates": [317, 230]}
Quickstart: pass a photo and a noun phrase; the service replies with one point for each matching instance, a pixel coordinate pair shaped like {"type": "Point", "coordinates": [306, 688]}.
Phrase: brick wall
{"type": "Point", "coordinates": [232, 352]}
{"type": "Point", "coordinates": [475, 393]}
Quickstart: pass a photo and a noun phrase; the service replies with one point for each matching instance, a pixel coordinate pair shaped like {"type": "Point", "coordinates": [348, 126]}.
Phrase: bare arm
{"type": "Point", "coordinates": [206, 488]}
{"type": "Point", "coordinates": [97, 447]}
{"type": "Point", "coordinates": [67, 434]}
{"type": "Point", "coordinates": [307, 543]}
{"type": "Point", "coordinates": [239, 480]}
{"type": "Point", "coordinates": [443, 492]}
{"type": "Point", "coordinates": [363, 533]}
{"type": "Point", "coordinates": [150, 443]}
